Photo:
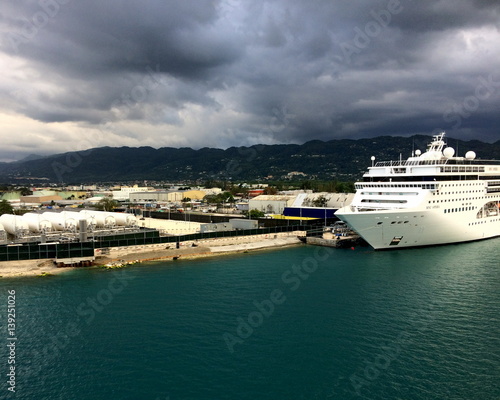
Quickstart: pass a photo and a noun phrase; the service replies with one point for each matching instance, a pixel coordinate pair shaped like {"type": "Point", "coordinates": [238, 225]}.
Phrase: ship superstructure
{"type": "Point", "coordinates": [431, 198]}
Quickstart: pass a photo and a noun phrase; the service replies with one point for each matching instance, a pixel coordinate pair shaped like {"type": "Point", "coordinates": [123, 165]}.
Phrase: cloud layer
{"type": "Point", "coordinates": [79, 74]}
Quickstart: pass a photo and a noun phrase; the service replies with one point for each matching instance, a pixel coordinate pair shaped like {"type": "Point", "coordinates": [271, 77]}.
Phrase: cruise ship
{"type": "Point", "coordinates": [429, 199]}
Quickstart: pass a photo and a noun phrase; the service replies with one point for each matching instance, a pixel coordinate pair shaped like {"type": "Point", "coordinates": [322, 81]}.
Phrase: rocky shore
{"type": "Point", "coordinates": [129, 254]}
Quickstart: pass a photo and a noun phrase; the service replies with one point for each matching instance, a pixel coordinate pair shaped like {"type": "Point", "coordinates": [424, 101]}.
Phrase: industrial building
{"type": "Point", "coordinates": [124, 193]}
{"type": "Point", "coordinates": [305, 205]}
{"type": "Point", "coordinates": [231, 225]}
{"type": "Point", "coordinates": [271, 204]}
{"type": "Point", "coordinates": [171, 196]}
{"type": "Point", "coordinates": [317, 205]}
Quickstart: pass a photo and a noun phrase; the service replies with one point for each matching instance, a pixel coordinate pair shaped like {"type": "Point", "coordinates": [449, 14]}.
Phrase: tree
{"type": "Point", "coordinates": [4, 189]}
{"type": "Point", "coordinates": [306, 185]}
{"type": "Point", "coordinates": [243, 192]}
{"type": "Point", "coordinates": [254, 214]}
{"type": "Point", "coordinates": [210, 183]}
{"type": "Point", "coordinates": [219, 198]}
{"type": "Point", "coordinates": [186, 202]}
{"type": "Point", "coordinates": [5, 207]}
{"type": "Point", "coordinates": [210, 199]}
{"type": "Point", "coordinates": [24, 191]}
{"type": "Point", "coordinates": [346, 187]}
{"type": "Point", "coordinates": [270, 190]}
{"type": "Point", "coordinates": [106, 204]}
{"type": "Point", "coordinates": [320, 201]}
{"type": "Point", "coordinates": [227, 197]}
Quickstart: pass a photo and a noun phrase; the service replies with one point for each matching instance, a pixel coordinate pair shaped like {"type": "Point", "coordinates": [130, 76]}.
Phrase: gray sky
{"type": "Point", "coordinates": [78, 74]}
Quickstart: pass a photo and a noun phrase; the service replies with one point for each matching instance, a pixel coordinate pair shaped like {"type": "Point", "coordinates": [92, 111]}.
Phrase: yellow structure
{"type": "Point", "coordinates": [279, 216]}
{"type": "Point", "coordinates": [194, 194]}
{"type": "Point", "coordinates": [39, 199]}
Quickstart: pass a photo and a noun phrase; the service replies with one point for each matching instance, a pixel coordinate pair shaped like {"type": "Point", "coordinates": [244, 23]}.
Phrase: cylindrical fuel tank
{"type": "Point", "coordinates": [14, 224]}
{"type": "Point", "coordinates": [37, 223]}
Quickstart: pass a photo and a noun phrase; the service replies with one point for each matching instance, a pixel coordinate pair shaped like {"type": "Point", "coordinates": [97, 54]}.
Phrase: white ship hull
{"type": "Point", "coordinates": [407, 228]}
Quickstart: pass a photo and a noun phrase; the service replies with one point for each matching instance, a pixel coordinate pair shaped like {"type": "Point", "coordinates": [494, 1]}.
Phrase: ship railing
{"type": "Point", "coordinates": [478, 161]}
{"type": "Point", "coordinates": [406, 163]}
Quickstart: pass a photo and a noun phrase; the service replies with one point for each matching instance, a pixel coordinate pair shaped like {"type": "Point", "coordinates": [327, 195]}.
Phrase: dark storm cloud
{"type": "Point", "coordinates": [99, 51]}
{"type": "Point", "coordinates": [93, 37]}
{"type": "Point", "coordinates": [224, 73]}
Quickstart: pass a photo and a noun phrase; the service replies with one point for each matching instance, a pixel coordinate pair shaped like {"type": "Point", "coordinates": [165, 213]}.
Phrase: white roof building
{"type": "Point", "coordinates": [271, 204]}
{"type": "Point", "coordinates": [125, 191]}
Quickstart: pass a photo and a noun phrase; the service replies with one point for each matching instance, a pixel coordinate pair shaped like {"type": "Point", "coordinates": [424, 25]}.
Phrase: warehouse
{"type": "Point", "coordinates": [271, 204]}
{"type": "Point", "coordinates": [166, 196]}
{"type": "Point", "coordinates": [40, 199]}
{"type": "Point", "coordinates": [317, 205]}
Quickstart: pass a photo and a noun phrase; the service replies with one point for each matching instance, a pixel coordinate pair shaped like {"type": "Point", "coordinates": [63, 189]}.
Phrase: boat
{"type": "Point", "coordinates": [431, 198]}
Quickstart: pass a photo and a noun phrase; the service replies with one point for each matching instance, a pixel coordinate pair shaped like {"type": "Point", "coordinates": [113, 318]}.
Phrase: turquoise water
{"type": "Point", "coordinates": [297, 323]}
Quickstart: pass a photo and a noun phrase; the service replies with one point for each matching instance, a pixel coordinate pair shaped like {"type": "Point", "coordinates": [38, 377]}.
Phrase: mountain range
{"type": "Point", "coordinates": [343, 160]}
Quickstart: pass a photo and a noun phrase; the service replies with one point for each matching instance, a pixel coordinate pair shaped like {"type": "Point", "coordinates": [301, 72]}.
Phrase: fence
{"type": "Point", "coordinates": [46, 251]}
{"type": "Point", "coordinates": [152, 237]}
{"type": "Point", "coordinates": [145, 236]}
{"type": "Point", "coordinates": [266, 222]}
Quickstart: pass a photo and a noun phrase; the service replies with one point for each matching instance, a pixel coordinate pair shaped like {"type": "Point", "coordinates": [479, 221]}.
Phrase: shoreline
{"type": "Point", "coordinates": [121, 256]}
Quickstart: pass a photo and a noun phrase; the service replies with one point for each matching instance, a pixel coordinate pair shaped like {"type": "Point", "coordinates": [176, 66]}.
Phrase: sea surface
{"type": "Point", "coordinates": [302, 322]}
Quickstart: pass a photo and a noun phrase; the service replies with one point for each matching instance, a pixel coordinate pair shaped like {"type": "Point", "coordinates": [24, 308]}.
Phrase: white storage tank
{"type": "Point", "coordinates": [37, 223]}
{"type": "Point", "coordinates": [14, 224]}
{"type": "Point", "coordinates": [101, 218]}
{"type": "Point", "coordinates": [3, 233]}
{"type": "Point", "coordinates": [60, 222]}
{"type": "Point", "coordinates": [123, 219]}
{"type": "Point", "coordinates": [79, 216]}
